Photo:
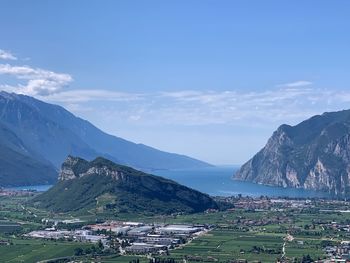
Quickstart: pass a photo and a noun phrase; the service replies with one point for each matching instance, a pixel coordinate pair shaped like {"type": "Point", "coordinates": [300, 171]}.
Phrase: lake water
{"type": "Point", "coordinates": [217, 181]}
{"type": "Point", "coordinates": [39, 188]}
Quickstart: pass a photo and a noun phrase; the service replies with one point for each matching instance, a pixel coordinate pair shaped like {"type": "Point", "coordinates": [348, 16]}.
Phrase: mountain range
{"type": "Point", "coordinates": [314, 154]}
{"type": "Point", "coordinates": [36, 137]}
{"type": "Point", "coordinates": [101, 185]}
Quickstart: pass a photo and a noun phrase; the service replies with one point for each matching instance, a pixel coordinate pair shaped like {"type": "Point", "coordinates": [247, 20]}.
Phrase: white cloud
{"type": "Point", "coordinates": [288, 103]}
{"type": "Point", "coordinates": [7, 55]}
{"type": "Point", "coordinates": [37, 81]}
{"type": "Point", "coordinates": [296, 84]}
{"type": "Point", "coordinates": [90, 95]}
{"type": "Point", "coordinates": [190, 107]}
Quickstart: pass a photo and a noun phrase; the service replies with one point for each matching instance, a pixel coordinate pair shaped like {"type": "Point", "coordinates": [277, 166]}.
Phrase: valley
{"type": "Point", "coordinates": [193, 131]}
{"type": "Point", "coordinates": [250, 230]}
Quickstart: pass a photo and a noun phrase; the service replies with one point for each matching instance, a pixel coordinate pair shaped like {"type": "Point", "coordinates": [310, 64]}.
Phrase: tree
{"type": "Point", "coordinates": [306, 259]}
{"type": "Point", "coordinates": [78, 251]}
{"type": "Point", "coordinates": [100, 245]}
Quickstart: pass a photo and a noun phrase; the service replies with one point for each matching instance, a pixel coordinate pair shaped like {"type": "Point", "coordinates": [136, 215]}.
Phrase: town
{"type": "Point", "coordinates": [244, 229]}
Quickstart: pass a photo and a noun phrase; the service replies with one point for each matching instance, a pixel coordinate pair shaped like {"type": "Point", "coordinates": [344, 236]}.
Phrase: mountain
{"type": "Point", "coordinates": [48, 133]}
{"type": "Point", "coordinates": [102, 184]}
{"type": "Point", "coordinates": [314, 154]}
{"type": "Point", "coordinates": [20, 166]}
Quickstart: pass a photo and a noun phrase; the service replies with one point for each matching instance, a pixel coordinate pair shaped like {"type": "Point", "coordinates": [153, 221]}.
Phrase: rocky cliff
{"type": "Point", "coordinates": [75, 167]}
{"type": "Point", "coordinates": [314, 154]}
{"type": "Point", "coordinates": [87, 185]}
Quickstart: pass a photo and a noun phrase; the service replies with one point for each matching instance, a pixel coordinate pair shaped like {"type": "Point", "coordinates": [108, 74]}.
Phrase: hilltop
{"type": "Point", "coordinates": [103, 184]}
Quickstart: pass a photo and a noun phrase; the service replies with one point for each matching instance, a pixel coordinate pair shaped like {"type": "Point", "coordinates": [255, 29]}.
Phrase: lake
{"type": "Point", "coordinates": [39, 188]}
{"type": "Point", "coordinates": [217, 181]}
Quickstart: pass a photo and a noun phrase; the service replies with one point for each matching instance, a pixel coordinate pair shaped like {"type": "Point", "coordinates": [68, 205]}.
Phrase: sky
{"type": "Point", "coordinates": [209, 79]}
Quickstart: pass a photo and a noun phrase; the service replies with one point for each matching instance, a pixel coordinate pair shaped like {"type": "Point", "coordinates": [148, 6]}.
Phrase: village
{"type": "Point", "coordinates": [247, 223]}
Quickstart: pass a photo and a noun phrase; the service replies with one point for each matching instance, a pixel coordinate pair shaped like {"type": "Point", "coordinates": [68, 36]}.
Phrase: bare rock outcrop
{"type": "Point", "coordinates": [314, 154]}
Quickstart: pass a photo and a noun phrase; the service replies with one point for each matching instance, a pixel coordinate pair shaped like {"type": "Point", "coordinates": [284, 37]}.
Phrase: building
{"type": "Point", "coordinates": [158, 240]}
{"type": "Point", "coordinates": [140, 231]}
{"type": "Point", "coordinates": [178, 229]}
{"type": "Point", "coordinates": [143, 248]}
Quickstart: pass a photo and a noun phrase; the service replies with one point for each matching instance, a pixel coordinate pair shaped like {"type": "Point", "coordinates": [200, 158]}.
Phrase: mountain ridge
{"type": "Point", "coordinates": [314, 154]}
{"type": "Point", "coordinates": [50, 132]}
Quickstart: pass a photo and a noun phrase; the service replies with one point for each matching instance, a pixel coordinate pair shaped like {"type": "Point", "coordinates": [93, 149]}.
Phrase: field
{"type": "Point", "coordinates": [225, 244]}
{"type": "Point", "coordinates": [29, 251]}
{"type": "Point", "coordinates": [235, 234]}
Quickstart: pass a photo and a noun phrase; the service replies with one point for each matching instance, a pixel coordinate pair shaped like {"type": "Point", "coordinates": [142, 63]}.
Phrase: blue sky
{"type": "Point", "coordinates": [210, 79]}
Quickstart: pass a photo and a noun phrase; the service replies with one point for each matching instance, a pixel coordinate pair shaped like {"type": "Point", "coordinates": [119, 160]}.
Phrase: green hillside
{"type": "Point", "coordinates": [102, 184]}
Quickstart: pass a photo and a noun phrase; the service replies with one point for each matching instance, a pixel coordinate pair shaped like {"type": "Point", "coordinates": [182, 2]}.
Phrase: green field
{"type": "Point", "coordinates": [225, 244]}
{"type": "Point", "coordinates": [227, 241]}
{"type": "Point", "coordinates": [31, 250]}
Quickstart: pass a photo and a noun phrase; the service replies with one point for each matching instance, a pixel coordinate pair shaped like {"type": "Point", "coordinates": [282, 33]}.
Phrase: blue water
{"type": "Point", "coordinates": [217, 181]}
{"type": "Point", "coordinates": [39, 188]}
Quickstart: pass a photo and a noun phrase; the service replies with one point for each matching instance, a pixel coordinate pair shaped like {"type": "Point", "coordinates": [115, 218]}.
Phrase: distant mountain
{"type": "Point", "coordinates": [20, 166]}
{"type": "Point", "coordinates": [48, 133]}
{"type": "Point", "coordinates": [102, 184]}
{"type": "Point", "coordinates": [314, 154]}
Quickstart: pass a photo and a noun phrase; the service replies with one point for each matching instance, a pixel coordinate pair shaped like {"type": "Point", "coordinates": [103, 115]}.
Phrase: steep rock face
{"type": "Point", "coordinates": [74, 167]}
{"type": "Point", "coordinates": [67, 169]}
{"type": "Point", "coordinates": [314, 154]}
{"type": "Point", "coordinates": [81, 184]}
